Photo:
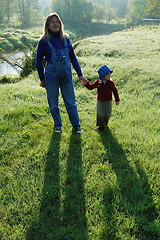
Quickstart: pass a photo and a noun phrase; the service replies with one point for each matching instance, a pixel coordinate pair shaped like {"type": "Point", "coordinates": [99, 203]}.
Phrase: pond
{"type": "Point", "coordinates": [6, 68]}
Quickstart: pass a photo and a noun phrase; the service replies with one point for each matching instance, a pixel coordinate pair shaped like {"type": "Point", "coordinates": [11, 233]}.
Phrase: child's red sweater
{"type": "Point", "coordinates": [104, 90]}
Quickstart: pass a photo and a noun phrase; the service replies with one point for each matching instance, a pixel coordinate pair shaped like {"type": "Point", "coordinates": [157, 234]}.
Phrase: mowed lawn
{"type": "Point", "coordinates": [95, 185]}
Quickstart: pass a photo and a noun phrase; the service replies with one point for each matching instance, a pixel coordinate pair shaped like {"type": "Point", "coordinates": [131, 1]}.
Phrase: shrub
{"type": "Point", "coordinates": [9, 79]}
{"type": "Point", "coordinates": [16, 43]}
{"type": "Point", "coordinates": [5, 44]}
{"type": "Point", "coordinates": [33, 42]}
{"type": "Point", "coordinates": [29, 41]}
{"type": "Point", "coordinates": [6, 35]}
{"type": "Point", "coordinates": [25, 40]}
{"type": "Point", "coordinates": [29, 65]}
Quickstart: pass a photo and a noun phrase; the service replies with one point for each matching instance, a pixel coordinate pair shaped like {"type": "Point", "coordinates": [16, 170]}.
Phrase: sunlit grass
{"type": "Point", "coordinates": [92, 186]}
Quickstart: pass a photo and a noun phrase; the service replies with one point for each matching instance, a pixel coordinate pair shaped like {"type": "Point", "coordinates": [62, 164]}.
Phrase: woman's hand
{"type": "Point", "coordinates": [43, 84]}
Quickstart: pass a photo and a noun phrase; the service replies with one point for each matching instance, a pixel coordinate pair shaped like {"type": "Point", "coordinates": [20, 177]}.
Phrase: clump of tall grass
{"type": "Point", "coordinates": [9, 79]}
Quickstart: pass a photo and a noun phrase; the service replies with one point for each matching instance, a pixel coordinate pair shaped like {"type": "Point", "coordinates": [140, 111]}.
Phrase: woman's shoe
{"type": "Point", "coordinates": [77, 129]}
{"type": "Point", "coordinates": [57, 129]}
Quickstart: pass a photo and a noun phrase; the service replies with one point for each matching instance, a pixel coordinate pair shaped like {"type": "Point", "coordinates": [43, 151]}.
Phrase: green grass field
{"type": "Point", "coordinates": [93, 186]}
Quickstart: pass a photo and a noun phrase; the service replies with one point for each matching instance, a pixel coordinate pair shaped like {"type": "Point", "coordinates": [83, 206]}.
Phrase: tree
{"type": "Point", "coordinates": [136, 10]}
{"type": "Point", "coordinates": [77, 10]}
{"type": "Point", "coordinates": [28, 9]}
{"type": "Point", "coordinates": [98, 11]}
{"type": "Point", "coordinates": [88, 11]}
{"type": "Point", "coordinates": [102, 2]}
{"type": "Point", "coordinates": [2, 11]}
{"type": "Point", "coordinates": [73, 11]}
{"type": "Point", "coordinates": [153, 8]}
{"type": "Point", "coordinates": [110, 14]}
{"type": "Point", "coordinates": [10, 7]}
{"type": "Point", "coordinates": [7, 8]}
{"type": "Point", "coordinates": [121, 6]}
{"type": "Point", "coordinates": [63, 8]}
{"type": "Point", "coordinates": [107, 4]}
{"type": "Point", "coordinates": [25, 10]}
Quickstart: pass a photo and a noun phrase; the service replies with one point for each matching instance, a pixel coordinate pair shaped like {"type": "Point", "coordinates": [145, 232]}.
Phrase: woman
{"type": "Point", "coordinates": [55, 47]}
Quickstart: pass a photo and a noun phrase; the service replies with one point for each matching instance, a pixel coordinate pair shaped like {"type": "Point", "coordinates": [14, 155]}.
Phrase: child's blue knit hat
{"type": "Point", "coordinates": [103, 71]}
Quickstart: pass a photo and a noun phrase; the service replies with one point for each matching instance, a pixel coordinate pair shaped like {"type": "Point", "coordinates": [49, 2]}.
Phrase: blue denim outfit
{"type": "Point", "coordinates": [58, 75]}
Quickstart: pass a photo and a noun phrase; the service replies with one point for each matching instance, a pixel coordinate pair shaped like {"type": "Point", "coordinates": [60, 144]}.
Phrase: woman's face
{"type": "Point", "coordinates": [54, 24]}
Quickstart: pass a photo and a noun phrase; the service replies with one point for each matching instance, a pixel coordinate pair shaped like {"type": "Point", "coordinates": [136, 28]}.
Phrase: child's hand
{"type": "Point", "coordinates": [81, 78]}
{"type": "Point", "coordinates": [84, 81]}
{"type": "Point", "coordinates": [117, 103]}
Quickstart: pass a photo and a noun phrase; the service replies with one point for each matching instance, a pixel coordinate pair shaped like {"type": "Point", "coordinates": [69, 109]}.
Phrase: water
{"type": "Point", "coordinates": [6, 68]}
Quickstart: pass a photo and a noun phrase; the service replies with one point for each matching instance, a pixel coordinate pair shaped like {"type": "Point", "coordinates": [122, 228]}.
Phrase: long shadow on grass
{"type": "Point", "coordinates": [74, 215]}
{"type": "Point", "coordinates": [48, 219]}
{"type": "Point", "coordinates": [135, 201]}
{"type": "Point", "coordinates": [55, 221]}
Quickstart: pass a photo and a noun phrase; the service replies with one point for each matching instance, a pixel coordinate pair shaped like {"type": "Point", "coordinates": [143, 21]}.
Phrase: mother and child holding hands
{"type": "Point", "coordinates": [56, 49]}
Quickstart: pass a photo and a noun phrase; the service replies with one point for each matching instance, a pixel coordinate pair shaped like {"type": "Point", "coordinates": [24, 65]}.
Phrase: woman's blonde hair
{"type": "Point", "coordinates": [47, 22]}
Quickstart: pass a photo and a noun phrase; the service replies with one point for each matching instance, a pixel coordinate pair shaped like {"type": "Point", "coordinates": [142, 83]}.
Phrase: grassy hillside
{"type": "Point", "coordinates": [12, 39]}
{"type": "Point", "coordinates": [93, 186]}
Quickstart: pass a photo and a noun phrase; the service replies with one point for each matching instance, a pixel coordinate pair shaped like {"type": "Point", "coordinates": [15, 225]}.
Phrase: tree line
{"type": "Point", "coordinates": [31, 12]}
{"type": "Point", "coordinates": [23, 11]}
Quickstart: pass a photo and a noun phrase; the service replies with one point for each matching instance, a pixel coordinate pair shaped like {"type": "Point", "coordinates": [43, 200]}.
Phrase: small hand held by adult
{"type": "Point", "coordinates": [83, 80]}
{"type": "Point", "coordinates": [42, 84]}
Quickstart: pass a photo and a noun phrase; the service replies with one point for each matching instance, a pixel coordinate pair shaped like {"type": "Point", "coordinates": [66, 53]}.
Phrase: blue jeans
{"type": "Point", "coordinates": [58, 75]}
{"type": "Point", "coordinates": [62, 80]}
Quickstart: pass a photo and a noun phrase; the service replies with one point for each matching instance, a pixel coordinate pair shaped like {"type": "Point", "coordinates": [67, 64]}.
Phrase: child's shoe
{"type": "Point", "coordinates": [100, 129]}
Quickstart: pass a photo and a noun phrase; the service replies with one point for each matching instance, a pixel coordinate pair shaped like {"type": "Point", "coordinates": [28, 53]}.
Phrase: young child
{"type": "Point", "coordinates": [105, 87]}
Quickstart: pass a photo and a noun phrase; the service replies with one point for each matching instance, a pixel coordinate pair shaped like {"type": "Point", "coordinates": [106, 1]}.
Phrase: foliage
{"type": "Point", "coordinates": [5, 44]}
{"type": "Point", "coordinates": [139, 9]}
{"type": "Point", "coordinates": [92, 186]}
{"type": "Point", "coordinates": [9, 9]}
{"type": "Point", "coordinates": [46, 6]}
{"type": "Point", "coordinates": [119, 6]}
{"type": "Point", "coordinates": [29, 62]}
{"type": "Point", "coordinates": [111, 14]}
{"type": "Point", "coordinates": [27, 13]}
{"type": "Point", "coordinates": [9, 79]}
{"type": "Point", "coordinates": [153, 8]}
{"type": "Point", "coordinates": [25, 7]}
{"type": "Point", "coordinates": [2, 13]}
{"type": "Point", "coordinates": [136, 11]}
{"type": "Point", "coordinates": [98, 11]}
{"type": "Point", "coordinates": [73, 11]}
